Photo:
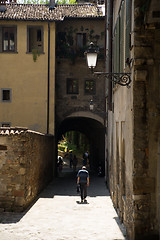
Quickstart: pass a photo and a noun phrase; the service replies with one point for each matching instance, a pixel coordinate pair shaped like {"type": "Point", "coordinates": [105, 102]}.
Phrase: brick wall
{"type": "Point", "coordinates": [26, 166]}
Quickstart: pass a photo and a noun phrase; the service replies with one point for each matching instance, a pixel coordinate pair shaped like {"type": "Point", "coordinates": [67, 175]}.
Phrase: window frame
{"type": "Point", "coordinates": [76, 91]}
{"type": "Point", "coordinates": [42, 37]}
{"type": "Point", "coordinates": [90, 92]}
{"type": "Point", "coordinates": [6, 89]}
{"type": "Point", "coordinates": [11, 28]}
{"type": "Point", "coordinates": [83, 40]}
{"type": "Point", "coordinates": [128, 11]}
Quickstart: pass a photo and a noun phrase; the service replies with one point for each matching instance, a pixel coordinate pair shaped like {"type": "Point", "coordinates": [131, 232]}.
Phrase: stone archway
{"type": "Point", "coordinates": [93, 129]}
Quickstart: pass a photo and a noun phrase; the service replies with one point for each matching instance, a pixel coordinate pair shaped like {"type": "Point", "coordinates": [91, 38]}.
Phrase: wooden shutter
{"type": "Point", "coordinates": [128, 29]}
{"type": "Point", "coordinates": [122, 38]}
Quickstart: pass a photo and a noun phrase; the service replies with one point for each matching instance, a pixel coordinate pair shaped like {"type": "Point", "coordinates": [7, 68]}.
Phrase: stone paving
{"type": "Point", "coordinates": [57, 214]}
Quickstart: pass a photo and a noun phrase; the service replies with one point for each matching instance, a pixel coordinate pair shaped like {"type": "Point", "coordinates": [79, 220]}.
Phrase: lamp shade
{"type": "Point", "coordinates": [92, 59]}
{"type": "Point", "coordinates": [91, 55]}
{"type": "Point", "coordinates": [91, 105]}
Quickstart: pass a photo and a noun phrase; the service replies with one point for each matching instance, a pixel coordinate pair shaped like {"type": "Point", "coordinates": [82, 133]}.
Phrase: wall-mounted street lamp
{"type": "Point", "coordinates": [92, 53]}
{"type": "Point", "coordinates": [91, 105]}
{"type": "Point", "coordinates": [122, 79]}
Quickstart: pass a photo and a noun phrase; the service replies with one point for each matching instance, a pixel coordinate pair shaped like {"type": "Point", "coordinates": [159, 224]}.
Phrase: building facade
{"type": "Point", "coordinates": [134, 116]}
{"type": "Point", "coordinates": [27, 68]}
{"type": "Point", "coordinates": [28, 34]}
{"type": "Point", "coordinates": [28, 85]}
{"type": "Point", "coordinates": [76, 86]}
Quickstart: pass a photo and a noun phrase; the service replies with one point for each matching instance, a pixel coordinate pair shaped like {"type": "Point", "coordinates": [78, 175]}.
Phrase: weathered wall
{"type": "Point", "coordinates": [134, 155]}
{"type": "Point", "coordinates": [120, 139]}
{"type": "Point", "coordinates": [26, 166]}
{"type": "Point", "coordinates": [123, 154]}
{"type": "Point", "coordinates": [66, 104]}
{"type": "Point", "coordinates": [146, 129]}
{"type": "Point", "coordinates": [75, 107]}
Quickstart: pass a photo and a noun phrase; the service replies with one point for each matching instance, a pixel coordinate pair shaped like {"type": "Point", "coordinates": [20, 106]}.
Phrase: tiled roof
{"type": "Point", "coordinates": [42, 12]}
{"type": "Point", "coordinates": [8, 131]}
{"type": "Point", "coordinates": [12, 130]}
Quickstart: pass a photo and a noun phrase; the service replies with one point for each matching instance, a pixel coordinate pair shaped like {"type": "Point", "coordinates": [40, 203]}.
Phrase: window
{"type": "Point", "coordinates": [39, 35]}
{"type": "Point", "coordinates": [61, 38]}
{"type": "Point", "coordinates": [81, 40]}
{"type": "Point", "coordinates": [122, 37]}
{"type": "Point", "coordinates": [6, 95]}
{"type": "Point", "coordinates": [35, 38]}
{"type": "Point", "coordinates": [72, 86]}
{"type": "Point", "coordinates": [128, 30]}
{"type": "Point", "coordinates": [118, 42]}
{"type": "Point", "coordinates": [116, 47]}
{"type": "Point", "coordinates": [9, 39]}
{"type": "Point", "coordinates": [90, 86]}
{"type": "Point", "coordinates": [61, 49]}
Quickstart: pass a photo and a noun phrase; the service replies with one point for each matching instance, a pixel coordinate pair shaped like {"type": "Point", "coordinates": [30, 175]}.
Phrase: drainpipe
{"type": "Point", "coordinates": [110, 24]}
{"type": "Point", "coordinates": [105, 90]}
{"type": "Point", "coordinates": [48, 83]}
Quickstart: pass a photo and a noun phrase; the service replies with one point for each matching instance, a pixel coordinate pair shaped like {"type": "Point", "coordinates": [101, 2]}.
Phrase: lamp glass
{"type": "Point", "coordinates": [91, 59]}
{"type": "Point", "coordinates": [91, 105]}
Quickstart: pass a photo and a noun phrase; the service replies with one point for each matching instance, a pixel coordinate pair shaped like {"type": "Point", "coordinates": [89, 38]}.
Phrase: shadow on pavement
{"type": "Point", "coordinates": [64, 185]}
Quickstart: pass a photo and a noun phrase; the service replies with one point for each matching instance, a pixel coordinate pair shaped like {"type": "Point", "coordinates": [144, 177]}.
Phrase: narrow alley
{"type": "Point", "coordinates": [57, 214]}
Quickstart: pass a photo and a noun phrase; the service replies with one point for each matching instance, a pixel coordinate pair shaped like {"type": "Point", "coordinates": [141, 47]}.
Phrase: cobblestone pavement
{"type": "Point", "coordinates": [58, 215]}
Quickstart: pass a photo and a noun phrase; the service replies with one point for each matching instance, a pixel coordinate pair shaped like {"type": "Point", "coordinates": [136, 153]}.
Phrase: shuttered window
{"type": "Point", "coordinates": [128, 29]}
{"type": "Point", "coordinates": [116, 47]}
{"type": "Point", "coordinates": [72, 86]}
{"type": "Point", "coordinates": [122, 38]}
{"type": "Point", "coordinates": [90, 86]}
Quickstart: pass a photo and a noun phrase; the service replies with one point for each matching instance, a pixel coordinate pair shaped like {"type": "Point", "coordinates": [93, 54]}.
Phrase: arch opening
{"type": "Point", "coordinates": [87, 132]}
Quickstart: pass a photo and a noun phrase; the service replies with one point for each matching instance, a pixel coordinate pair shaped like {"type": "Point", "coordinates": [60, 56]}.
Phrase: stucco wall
{"type": "Point", "coordinates": [26, 166]}
{"type": "Point", "coordinates": [28, 80]}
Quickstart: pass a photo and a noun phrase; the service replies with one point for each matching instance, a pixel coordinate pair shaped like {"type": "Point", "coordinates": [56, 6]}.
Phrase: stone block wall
{"type": "Point", "coordinates": [134, 175]}
{"type": "Point", "coordinates": [26, 166]}
{"type": "Point", "coordinates": [146, 128]}
{"type": "Point", "coordinates": [66, 104]}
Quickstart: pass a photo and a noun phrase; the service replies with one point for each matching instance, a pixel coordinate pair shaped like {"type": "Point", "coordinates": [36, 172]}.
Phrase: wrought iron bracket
{"type": "Point", "coordinates": [122, 79]}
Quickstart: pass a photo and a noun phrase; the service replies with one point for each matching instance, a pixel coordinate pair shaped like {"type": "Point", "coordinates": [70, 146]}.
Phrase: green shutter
{"type": "Point", "coordinates": [118, 44]}
{"type": "Point", "coordinates": [121, 37]}
{"type": "Point", "coordinates": [114, 63]}
{"type": "Point", "coordinates": [128, 29]}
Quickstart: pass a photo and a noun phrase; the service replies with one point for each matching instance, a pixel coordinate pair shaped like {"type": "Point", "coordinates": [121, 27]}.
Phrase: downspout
{"type": "Point", "coordinates": [110, 25]}
{"type": "Point", "coordinates": [48, 82]}
{"type": "Point", "coordinates": [109, 22]}
{"type": "Point", "coordinates": [105, 105]}
{"type": "Point", "coordinates": [105, 90]}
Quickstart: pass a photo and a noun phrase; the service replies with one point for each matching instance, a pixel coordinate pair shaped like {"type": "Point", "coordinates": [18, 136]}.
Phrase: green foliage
{"type": "Point", "coordinates": [72, 142]}
{"type": "Point", "coordinates": [33, 1]}
{"type": "Point", "coordinates": [66, 2]}
{"type": "Point", "coordinates": [72, 2]}
{"type": "Point", "coordinates": [46, 1]}
{"type": "Point", "coordinates": [35, 53]}
{"type": "Point", "coordinates": [102, 35]}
